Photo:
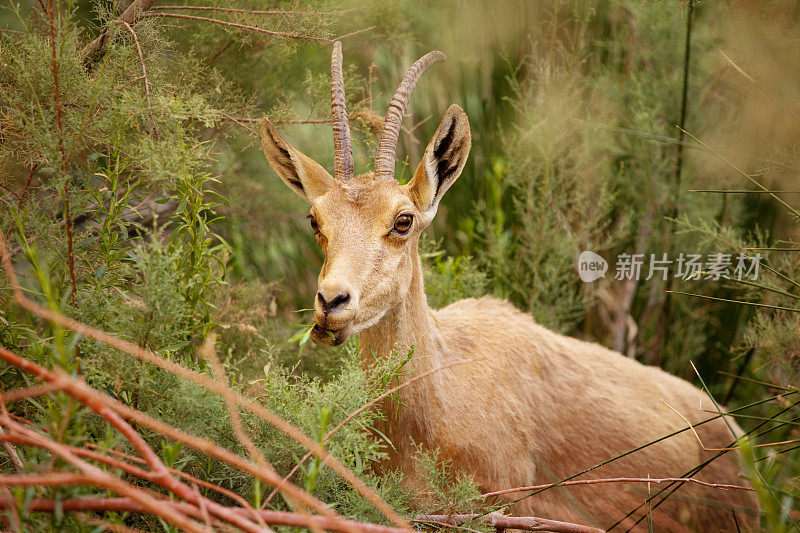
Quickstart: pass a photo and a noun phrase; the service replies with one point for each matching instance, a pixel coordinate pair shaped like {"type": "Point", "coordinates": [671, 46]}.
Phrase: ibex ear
{"type": "Point", "coordinates": [302, 174]}
{"type": "Point", "coordinates": [442, 162]}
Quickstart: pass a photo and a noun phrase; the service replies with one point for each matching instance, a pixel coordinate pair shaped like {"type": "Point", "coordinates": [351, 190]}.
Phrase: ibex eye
{"type": "Point", "coordinates": [403, 223]}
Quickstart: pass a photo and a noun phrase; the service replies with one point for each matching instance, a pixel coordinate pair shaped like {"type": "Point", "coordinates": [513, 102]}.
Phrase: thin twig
{"type": "Point", "coordinates": [272, 33]}
{"type": "Point", "coordinates": [44, 480]}
{"type": "Point", "coordinates": [500, 521]}
{"type": "Point", "coordinates": [161, 474]}
{"type": "Point", "coordinates": [666, 306]}
{"type": "Point", "coordinates": [26, 188]}
{"type": "Point", "coordinates": [208, 350]}
{"type": "Point", "coordinates": [753, 81]}
{"type": "Point", "coordinates": [729, 448]}
{"type": "Point", "coordinates": [743, 191]}
{"type": "Point", "coordinates": [614, 480]}
{"type": "Point", "coordinates": [754, 181]}
{"type": "Point", "coordinates": [141, 60]}
{"type": "Point", "coordinates": [240, 122]}
{"type": "Point", "coordinates": [12, 517]}
{"type": "Point", "coordinates": [254, 12]}
{"type": "Point", "coordinates": [13, 454]}
{"type": "Point", "coordinates": [741, 302]}
{"type": "Point", "coordinates": [353, 33]}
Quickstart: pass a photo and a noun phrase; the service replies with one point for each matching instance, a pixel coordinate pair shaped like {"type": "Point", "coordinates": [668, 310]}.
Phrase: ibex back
{"type": "Point", "coordinates": [531, 406]}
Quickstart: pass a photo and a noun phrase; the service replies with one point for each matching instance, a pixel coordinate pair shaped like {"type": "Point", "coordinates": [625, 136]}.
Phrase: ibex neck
{"type": "Point", "coordinates": [408, 324]}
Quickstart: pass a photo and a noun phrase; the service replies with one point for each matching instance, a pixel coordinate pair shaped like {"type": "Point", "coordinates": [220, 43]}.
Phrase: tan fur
{"type": "Point", "coordinates": [536, 406]}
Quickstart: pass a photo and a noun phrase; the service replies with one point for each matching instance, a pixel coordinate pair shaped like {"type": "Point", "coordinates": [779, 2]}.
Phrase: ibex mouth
{"type": "Point", "coordinates": [328, 337]}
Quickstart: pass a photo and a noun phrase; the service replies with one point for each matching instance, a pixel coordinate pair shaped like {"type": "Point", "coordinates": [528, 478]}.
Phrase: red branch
{"type": "Point", "coordinates": [83, 393]}
{"type": "Point", "coordinates": [126, 467]}
{"type": "Point", "coordinates": [44, 480]}
{"type": "Point", "coordinates": [98, 477]}
{"type": "Point", "coordinates": [29, 392]}
{"type": "Point", "coordinates": [160, 474]}
{"type": "Point", "coordinates": [270, 517]}
{"type": "Point", "coordinates": [294, 519]}
{"type": "Point", "coordinates": [56, 89]}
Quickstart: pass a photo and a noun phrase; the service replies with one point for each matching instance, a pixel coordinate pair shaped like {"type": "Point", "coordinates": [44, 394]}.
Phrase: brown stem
{"type": "Point", "coordinates": [13, 520]}
{"type": "Point", "coordinates": [95, 50]}
{"type": "Point", "coordinates": [44, 480]}
{"type": "Point", "coordinates": [70, 254]}
{"type": "Point", "coordinates": [141, 60]}
{"type": "Point", "coordinates": [280, 34]}
{"type": "Point", "coordinates": [210, 353]}
{"type": "Point", "coordinates": [12, 453]}
{"type": "Point", "coordinates": [240, 122]}
{"type": "Point", "coordinates": [26, 188]}
{"type": "Point", "coordinates": [57, 91]}
{"type": "Point", "coordinates": [499, 521]}
{"type": "Point", "coordinates": [254, 12]}
{"type": "Point", "coordinates": [352, 33]}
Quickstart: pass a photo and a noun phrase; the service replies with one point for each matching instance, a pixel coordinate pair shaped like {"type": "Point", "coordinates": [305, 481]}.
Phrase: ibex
{"type": "Point", "coordinates": [532, 406]}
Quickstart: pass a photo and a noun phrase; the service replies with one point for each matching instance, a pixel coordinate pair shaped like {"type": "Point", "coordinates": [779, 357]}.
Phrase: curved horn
{"type": "Point", "coordinates": [387, 146]}
{"type": "Point", "coordinates": [342, 148]}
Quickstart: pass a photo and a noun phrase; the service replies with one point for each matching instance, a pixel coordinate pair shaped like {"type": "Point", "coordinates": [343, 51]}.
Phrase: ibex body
{"type": "Point", "coordinates": [528, 406]}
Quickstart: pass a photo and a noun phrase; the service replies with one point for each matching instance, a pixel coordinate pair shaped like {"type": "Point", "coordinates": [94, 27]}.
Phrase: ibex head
{"type": "Point", "coordinates": [369, 225]}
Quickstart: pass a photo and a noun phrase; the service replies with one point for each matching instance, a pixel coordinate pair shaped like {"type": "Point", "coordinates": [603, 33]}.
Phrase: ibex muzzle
{"type": "Point", "coordinates": [507, 401]}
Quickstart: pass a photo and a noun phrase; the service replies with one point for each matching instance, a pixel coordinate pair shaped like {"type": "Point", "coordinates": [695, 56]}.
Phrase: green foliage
{"type": "Point", "coordinates": [449, 279]}
{"type": "Point", "coordinates": [449, 492]}
{"type": "Point", "coordinates": [776, 503]}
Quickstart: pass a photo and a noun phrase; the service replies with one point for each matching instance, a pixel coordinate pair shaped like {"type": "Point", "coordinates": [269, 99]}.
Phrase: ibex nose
{"type": "Point", "coordinates": [330, 302]}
